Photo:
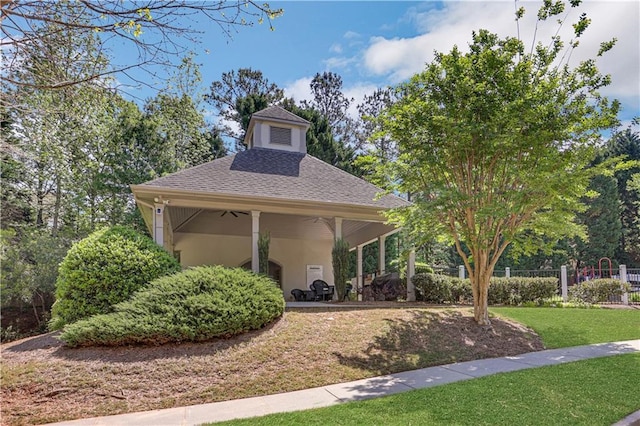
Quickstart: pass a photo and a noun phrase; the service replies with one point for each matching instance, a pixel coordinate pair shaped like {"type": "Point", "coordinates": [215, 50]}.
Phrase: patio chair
{"type": "Point", "coordinates": [322, 290]}
{"type": "Point", "coordinates": [298, 295]}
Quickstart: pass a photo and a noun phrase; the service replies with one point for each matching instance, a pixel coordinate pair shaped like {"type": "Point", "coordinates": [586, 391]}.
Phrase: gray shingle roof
{"type": "Point", "coordinates": [261, 172]}
{"type": "Point", "coordinates": [279, 114]}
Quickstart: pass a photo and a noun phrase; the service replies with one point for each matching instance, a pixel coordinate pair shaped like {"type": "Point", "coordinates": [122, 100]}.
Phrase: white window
{"type": "Point", "coordinates": [280, 135]}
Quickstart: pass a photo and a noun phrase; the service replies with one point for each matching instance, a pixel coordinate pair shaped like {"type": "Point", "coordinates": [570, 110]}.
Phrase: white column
{"type": "Point", "coordinates": [158, 224]}
{"type": "Point", "coordinates": [623, 279]}
{"type": "Point", "coordinates": [338, 228]}
{"type": "Point", "coordinates": [507, 272]}
{"type": "Point", "coordinates": [381, 254]}
{"type": "Point", "coordinates": [255, 233]}
{"type": "Point", "coordinates": [411, 271]}
{"type": "Point", "coordinates": [564, 282]}
{"type": "Point", "coordinates": [461, 274]}
{"type": "Point", "coordinates": [359, 281]}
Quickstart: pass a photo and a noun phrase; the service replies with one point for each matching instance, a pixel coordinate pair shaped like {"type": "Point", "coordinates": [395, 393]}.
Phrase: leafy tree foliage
{"type": "Point", "coordinates": [369, 131]}
{"type": "Point", "coordinates": [496, 144]}
{"type": "Point", "coordinates": [29, 264]}
{"type": "Point", "coordinates": [602, 221]}
{"type": "Point", "coordinates": [330, 101]}
{"type": "Point", "coordinates": [237, 95]}
{"type": "Point", "coordinates": [627, 143]}
{"type": "Point", "coordinates": [320, 141]}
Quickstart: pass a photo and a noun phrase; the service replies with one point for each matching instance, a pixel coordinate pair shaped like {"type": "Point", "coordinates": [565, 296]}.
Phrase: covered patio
{"type": "Point", "coordinates": [215, 212]}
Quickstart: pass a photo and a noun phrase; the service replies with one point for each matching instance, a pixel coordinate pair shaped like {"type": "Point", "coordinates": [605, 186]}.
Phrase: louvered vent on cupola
{"type": "Point", "coordinates": [280, 135]}
{"type": "Point", "coordinates": [277, 128]}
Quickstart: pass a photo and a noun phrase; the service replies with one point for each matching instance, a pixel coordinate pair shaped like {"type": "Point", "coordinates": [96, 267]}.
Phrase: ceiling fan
{"type": "Point", "coordinates": [234, 213]}
{"type": "Point", "coordinates": [316, 219]}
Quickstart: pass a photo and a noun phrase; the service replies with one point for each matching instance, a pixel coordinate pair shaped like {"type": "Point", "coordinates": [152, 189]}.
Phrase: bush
{"type": "Point", "coordinates": [106, 268]}
{"type": "Point", "coordinates": [437, 288]}
{"type": "Point", "coordinates": [340, 261]}
{"type": "Point", "coordinates": [518, 290]}
{"type": "Point", "coordinates": [433, 288]}
{"type": "Point", "coordinates": [420, 268]}
{"type": "Point", "coordinates": [596, 291]}
{"type": "Point", "coordinates": [194, 305]}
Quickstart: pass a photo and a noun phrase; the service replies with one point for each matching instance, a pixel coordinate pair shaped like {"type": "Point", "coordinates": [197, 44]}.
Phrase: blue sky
{"type": "Point", "coordinates": [373, 43]}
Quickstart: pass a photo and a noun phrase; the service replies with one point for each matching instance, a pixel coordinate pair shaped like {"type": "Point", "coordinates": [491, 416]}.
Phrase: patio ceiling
{"type": "Point", "coordinates": [291, 226]}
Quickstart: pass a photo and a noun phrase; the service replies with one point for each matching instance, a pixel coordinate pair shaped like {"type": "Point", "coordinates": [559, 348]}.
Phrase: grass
{"type": "Point", "coordinates": [592, 392]}
{"type": "Point", "coordinates": [44, 382]}
{"type": "Point", "coordinates": [561, 328]}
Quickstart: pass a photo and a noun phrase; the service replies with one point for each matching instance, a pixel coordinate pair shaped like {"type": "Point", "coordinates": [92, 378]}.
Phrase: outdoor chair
{"type": "Point", "coordinates": [298, 295]}
{"type": "Point", "coordinates": [303, 295]}
{"type": "Point", "coordinates": [322, 290]}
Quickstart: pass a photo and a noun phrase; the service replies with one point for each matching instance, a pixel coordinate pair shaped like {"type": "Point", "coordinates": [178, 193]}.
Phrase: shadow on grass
{"type": "Point", "coordinates": [435, 338]}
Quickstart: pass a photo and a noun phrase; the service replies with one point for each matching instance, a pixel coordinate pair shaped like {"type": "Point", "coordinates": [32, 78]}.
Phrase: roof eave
{"type": "Point", "coordinates": [203, 199]}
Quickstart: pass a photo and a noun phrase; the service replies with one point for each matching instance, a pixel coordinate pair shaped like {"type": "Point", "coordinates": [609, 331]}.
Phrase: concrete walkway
{"type": "Point", "coordinates": [363, 389]}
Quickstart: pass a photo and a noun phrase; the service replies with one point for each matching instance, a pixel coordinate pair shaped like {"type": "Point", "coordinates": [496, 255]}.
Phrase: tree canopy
{"type": "Point", "coordinates": [495, 146]}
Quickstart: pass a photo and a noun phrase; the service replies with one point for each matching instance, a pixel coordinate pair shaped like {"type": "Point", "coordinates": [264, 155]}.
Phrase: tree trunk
{"type": "Point", "coordinates": [481, 305]}
{"type": "Point", "coordinates": [57, 207]}
{"type": "Point", "coordinates": [480, 278]}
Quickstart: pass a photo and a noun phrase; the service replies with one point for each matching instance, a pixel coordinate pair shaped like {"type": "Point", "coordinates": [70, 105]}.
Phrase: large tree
{"type": "Point", "coordinates": [237, 95]}
{"type": "Point", "coordinates": [602, 222]}
{"type": "Point", "coordinates": [330, 101]}
{"type": "Point", "coordinates": [627, 143]}
{"type": "Point", "coordinates": [496, 144]}
{"type": "Point", "coordinates": [320, 141]}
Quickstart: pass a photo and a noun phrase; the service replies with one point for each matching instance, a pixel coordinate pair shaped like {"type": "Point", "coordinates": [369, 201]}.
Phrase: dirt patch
{"type": "Point", "coordinates": [43, 381]}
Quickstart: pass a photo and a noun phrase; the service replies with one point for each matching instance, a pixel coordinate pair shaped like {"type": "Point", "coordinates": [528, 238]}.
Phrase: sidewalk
{"type": "Point", "coordinates": [362, 389]}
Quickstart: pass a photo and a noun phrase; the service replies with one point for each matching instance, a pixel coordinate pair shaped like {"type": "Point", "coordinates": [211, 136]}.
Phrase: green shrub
{"type": "Point", "coordinates": [263, 252]}
{"type": "Point", "coordinates": [519, 290]}
{"type": "Point", "coordinates": [194, 305]}
{"type": "Point", "coordinates": [461, 291]}
{"type": "Point", "coordinates": [437, 288]}
{"type": "Point", "coordinates": [104, 269]}
{"type": "Point", "coordinates": [420, 268]}
{"type": "Point", "coordinates": [596, 291]}
{"type": "Point", "coordinates": [340, 259]}
{"type": "Point", "coordinates": [423, 268]}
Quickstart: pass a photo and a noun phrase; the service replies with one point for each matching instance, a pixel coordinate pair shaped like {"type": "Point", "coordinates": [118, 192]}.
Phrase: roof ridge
{"type": "Point", "coordinates": [264, 113]}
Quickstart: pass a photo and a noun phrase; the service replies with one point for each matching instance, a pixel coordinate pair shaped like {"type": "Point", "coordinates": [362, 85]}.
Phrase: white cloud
{"type": "Point", "coordinates": [336, 48]}
{"type": "Point", "coordinates": [299, 90]}
{"type": "Point", "coordinates": [440, 29]}
{"type": "Point", "coordinates": [337, 62]}
{"type": "Point", "coordinates": [350, 35]}
{"type": "Point", "coordinates": [357, 92]}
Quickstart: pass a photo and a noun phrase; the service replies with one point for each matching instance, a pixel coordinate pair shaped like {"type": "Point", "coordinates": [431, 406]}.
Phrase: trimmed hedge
{"type": "Point", "coordinates": [436, 288]}
{"type": "Point", "coordinates": [596, 291]}
{"type": "Point", "coordinates": [194, 305]}
{"type": "Point", "coordinates": [518, 290]}
{"type": "Point", "coordinates": [106, 268]}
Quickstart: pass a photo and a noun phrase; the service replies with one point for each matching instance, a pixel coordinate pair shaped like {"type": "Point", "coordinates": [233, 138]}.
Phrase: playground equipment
{"type": "Point", "coordinates": [589, 272]}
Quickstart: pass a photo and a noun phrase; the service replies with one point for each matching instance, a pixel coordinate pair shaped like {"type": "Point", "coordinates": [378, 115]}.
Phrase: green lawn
{"type": "Point", "coordinates": [599, 391]}
{"type": "Point", "coordinates": [593, 392]}
{"type": "Point", "coordinates": [561, 328]}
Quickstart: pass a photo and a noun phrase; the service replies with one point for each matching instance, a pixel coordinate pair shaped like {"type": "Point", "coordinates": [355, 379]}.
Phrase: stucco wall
{"type": "Point", "coordinates": [261, 137]}
{"type": "Point", "coordinates": [293, 255]}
